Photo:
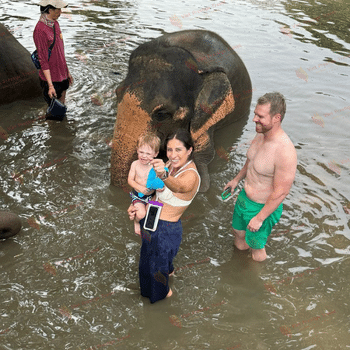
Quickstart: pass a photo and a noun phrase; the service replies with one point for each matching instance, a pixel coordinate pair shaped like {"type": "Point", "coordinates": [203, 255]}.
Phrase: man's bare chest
{"type": "Point", "coordinates": [262, 160]}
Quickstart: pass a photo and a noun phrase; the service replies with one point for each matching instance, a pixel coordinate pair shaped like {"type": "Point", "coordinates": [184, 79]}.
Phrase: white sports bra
{"type": "Point", "coordinates": [168, 197]}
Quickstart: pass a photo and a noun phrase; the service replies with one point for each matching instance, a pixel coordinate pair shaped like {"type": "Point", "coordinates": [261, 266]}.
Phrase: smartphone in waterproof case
{"type": "Point", "coordinates": [152, 215]}
{"type": "Point", "coordinates": [226, 194]}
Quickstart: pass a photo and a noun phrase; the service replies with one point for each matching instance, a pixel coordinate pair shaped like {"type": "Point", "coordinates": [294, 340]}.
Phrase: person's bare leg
{"type": "Point", "coordinates": [63, 97]}
{"type": "Point", "coordinates": [259, 254]}
{"type": "Point", "coordinates": [170, 293]}
{"type": "Point", "coordinates": [239, 241]}
{"type": "Point", "coordinates": [140, 214]}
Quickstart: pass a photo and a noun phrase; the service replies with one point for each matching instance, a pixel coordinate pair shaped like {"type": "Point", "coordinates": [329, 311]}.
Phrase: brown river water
{"type": "Point", "coordinates": [69, 279]}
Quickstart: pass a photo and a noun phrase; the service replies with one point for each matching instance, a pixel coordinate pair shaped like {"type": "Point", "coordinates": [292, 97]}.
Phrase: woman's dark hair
{"type": "Point", "coordinates": [46, 9]}
{"type": "Point", "coordinates": [184, 136]}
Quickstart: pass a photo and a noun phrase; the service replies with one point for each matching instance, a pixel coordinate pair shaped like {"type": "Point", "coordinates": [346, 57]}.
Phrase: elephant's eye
{"type": "Point", "coordinates": [162, 115]}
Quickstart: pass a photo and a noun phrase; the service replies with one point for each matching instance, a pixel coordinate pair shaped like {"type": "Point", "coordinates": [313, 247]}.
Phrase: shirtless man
{"type": "Point", "coordinates": [269, 173]}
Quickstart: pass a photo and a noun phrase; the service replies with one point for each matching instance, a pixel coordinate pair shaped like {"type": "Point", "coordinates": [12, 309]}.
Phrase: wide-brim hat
{"type": "Point", "coordinates": [58, 4]}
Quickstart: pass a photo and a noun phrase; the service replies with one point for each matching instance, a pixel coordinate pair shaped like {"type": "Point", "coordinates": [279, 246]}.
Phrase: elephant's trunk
{"type": "Point", "coordinates": [131, 122]}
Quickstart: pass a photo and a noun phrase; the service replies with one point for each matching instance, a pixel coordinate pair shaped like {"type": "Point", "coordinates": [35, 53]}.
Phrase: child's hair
{"type": "Point", "coordinates": [149, 139]}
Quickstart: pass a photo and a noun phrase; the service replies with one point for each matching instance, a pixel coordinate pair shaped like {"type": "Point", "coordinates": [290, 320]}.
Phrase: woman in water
{"type": "Point", "coordinates": [161, 246]}
{"type": "Point", "coordinates": [54, 73]}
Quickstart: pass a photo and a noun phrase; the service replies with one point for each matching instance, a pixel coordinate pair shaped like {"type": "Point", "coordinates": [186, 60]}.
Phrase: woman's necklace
{"type": "Point", "coordinates": [177, 171]}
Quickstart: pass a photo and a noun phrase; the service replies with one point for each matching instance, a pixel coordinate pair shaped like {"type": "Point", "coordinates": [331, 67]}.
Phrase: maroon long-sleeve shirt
{"type": "Point", "coordinates": [43, 38]}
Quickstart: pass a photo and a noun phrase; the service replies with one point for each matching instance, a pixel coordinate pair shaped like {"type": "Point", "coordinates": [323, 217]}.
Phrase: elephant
{"type": "Point", "coordinates": [19, 79]}
{"type": "Point", "coordinates": [188, 79]}
{"type": "Point", "coordinates": [10, 224]}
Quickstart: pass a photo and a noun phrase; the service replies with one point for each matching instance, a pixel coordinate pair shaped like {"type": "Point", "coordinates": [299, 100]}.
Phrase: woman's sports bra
{"type": "Point", "coordinates": [168, 197]}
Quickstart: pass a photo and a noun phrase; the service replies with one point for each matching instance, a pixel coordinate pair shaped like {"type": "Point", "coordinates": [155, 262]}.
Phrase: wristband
{"type": "Point", "coordinates": [165, 175]}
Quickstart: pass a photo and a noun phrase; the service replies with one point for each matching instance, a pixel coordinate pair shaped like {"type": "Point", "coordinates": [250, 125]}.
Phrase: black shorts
{"type": "Point", "coordinates": [60, 87]}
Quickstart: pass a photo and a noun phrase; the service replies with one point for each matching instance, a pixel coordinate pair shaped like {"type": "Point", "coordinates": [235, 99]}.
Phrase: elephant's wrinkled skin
{"type": "Point", "coordinates": [10, 224]}
{"type": "Point", "coordinates": [190, 79]}
{"type": "Point", "coordinates": [19, 79]}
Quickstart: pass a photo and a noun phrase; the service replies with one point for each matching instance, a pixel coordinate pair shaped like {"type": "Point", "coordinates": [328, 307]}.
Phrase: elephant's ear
{"type": "Point", "coordinates": [214, 102]}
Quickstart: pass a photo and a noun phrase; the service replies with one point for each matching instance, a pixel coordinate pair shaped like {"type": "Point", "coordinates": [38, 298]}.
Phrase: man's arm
{"type": "Point", "coordinates": [240, 176]}
{"type": "Point", "coordinates": [285, 169]}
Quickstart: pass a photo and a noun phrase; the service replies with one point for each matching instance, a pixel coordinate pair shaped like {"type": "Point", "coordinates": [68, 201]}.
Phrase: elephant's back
{"type": "Point", "coordinates": [208, 48]}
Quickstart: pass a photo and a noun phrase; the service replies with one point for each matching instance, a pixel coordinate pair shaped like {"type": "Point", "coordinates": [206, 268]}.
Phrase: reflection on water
{"type": "Point", "coordinates": [70, 279]}
{"type": "Point", "coordinates": [324, 22]}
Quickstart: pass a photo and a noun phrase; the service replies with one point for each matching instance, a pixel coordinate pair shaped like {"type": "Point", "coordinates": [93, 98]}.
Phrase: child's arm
{"type": "Point", "coordinates": [131, 180]}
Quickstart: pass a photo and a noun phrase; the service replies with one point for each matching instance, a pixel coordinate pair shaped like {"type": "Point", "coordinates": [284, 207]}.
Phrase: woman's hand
{"type": "Point", "coordinates": [158, 166]}
{"type": "Point", "coordinates": [52, 92]}
{"type": "Point", "coordinates": [132, 212]}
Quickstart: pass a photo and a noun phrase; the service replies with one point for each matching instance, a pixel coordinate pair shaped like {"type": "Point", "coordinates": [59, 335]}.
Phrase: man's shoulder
{"type": "Point", "coordinates": [286, 143]}
{"type": "Point", "coordinates": [258, 137]}
{"type": "Point", "coordinates": [285, 150]}
{"type": "Point", "coordinates": [256, 141]}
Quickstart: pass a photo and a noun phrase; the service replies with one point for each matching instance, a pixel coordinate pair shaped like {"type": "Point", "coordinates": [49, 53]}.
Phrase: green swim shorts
{"type": "Point", "coordinates": [245, 210]}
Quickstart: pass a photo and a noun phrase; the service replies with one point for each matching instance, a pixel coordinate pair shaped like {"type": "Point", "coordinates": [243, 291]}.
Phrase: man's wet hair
{"type": "Point", "coordinates": [277, 103]}
{"type": "Point", "coordinates": [46, 9]}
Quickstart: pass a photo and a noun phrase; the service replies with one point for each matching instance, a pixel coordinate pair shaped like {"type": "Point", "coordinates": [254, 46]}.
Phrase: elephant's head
{"type": "Point", "coordinates": [163, 91]}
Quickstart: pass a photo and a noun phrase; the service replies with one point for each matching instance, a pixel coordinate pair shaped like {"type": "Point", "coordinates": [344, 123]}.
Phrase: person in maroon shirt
{"type": "Point", "coordinates": [54, 73]}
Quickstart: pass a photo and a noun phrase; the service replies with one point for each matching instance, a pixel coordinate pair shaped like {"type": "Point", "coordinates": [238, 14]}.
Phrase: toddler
{"type": "Point", "coordinates": [147, 149]}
